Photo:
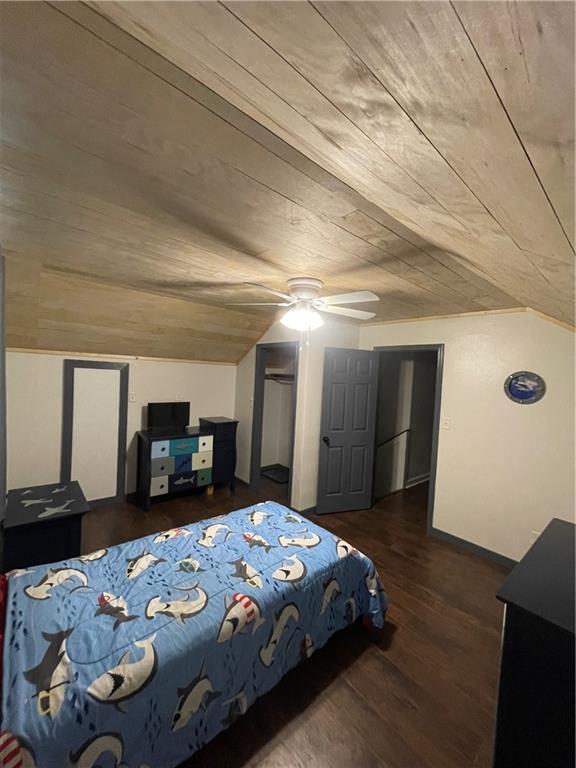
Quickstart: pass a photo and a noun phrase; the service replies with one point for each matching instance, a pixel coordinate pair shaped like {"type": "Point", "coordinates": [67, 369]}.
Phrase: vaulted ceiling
{"type": "Point", "coordinates": [156, 155]}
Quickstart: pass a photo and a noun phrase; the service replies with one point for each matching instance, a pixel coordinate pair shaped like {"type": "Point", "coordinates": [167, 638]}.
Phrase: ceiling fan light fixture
{"type": "Point", "coordinates": [302, 317]}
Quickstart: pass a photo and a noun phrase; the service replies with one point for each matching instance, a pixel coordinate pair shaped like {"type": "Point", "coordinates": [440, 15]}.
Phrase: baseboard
{"type": "Point", "coordinates": [449, 538]}
{"type": "Point", "coordinates": [306, 512]}
{"type": "Point", "coordinates": [417, 480]}
{"type": "Point", "coordinates": [95, 503]}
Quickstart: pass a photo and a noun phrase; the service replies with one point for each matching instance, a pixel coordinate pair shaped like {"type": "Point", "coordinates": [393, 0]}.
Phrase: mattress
{"type": "Point", "coordinates": [139, 654]}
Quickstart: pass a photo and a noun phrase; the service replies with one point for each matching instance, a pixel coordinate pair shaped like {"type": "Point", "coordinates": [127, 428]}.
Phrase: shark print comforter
{"type": "Point", "coordinates": [137, 655]}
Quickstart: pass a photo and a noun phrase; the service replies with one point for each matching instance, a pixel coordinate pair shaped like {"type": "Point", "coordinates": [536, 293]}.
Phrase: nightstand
{"type": "Point", "coordinates": [43, 524]}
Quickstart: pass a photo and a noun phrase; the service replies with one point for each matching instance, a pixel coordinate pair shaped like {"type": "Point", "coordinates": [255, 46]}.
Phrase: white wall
{"type": "Point", "coordinates": [504, 470]}
{"type": "Point", "coordinates": [307, 434]}
{"type": "Point", "coordinates": [276, 422]}
{"type": "Point", "coordinates": [34, 407]}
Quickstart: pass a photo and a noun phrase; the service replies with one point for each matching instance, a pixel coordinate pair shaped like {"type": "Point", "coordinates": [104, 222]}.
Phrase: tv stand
{"type": "Point", "coordinates": [173, 462]}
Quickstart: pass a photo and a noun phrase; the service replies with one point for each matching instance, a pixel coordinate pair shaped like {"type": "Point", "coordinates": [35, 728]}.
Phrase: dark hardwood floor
{"type": "Point", "coordinates": [422, 697]}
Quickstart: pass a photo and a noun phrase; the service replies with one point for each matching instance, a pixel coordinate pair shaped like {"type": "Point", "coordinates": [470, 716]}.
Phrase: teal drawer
{"type": "Point", "coordinates": [204, 477]}
{"type": "Point", "coordinates": [183, 445]}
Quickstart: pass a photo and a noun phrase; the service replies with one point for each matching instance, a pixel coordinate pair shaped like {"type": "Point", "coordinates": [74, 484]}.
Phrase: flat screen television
{"type": "Point", "coordinates": [168, 415]}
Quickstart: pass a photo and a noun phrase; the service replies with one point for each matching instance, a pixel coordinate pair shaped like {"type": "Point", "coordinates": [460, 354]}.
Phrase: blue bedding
{"type": "Point", "coordinates": [139, 654]}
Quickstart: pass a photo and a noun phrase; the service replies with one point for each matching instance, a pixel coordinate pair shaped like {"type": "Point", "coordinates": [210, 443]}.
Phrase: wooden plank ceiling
{"type": "Point", "coordinates": [155, 155]}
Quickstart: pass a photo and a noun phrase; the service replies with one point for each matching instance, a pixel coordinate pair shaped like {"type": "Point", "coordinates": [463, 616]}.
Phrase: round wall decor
{"type": "Point", "coordinates": [525, 387]}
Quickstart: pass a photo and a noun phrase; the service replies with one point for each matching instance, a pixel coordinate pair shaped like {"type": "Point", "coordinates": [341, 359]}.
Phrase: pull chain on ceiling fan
{"type": "Point", "coordinates": [305, 304]}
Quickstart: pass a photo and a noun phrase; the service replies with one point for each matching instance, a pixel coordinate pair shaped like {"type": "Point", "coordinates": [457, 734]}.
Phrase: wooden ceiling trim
{"type": "Point", "coordinates": [535, 86]}
{"type": "Point", "coordinates": [227, 44]}
{"type": "Point", "coordinates": [312, 222]}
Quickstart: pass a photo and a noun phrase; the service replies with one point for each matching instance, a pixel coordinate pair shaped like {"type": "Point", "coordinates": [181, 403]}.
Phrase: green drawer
{"type": "Point", "coordinates": [183, 445]}
{"type": "Point", "coordinates": [204, 477]}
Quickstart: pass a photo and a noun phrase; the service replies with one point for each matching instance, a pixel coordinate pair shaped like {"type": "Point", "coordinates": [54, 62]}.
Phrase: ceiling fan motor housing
{"type": "Point", "coordinates": [304, 287]}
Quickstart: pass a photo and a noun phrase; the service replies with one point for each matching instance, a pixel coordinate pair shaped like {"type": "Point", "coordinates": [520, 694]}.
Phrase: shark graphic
{"type": "Point", "coordinates": [51, 676]}
{"type": "Point", "coordinates": [254, 540]}
{"type": "Point", "coordinates": [49, 511]}
{"type": "Point", "coordinates": [258, 516]}
{"type": "Point", "coordinates": [115, 607]}
{"type": "Point", "coordinates": [173, 533]}
{"type": "Point", "coordinates": [331, 592]}
{"type": "Point", "coordinates": [246, 572]}
{"type": "Point", "coordinates": [30, 502]}
{"type": "Point", "coordinates": [141, 563]}
{"type": "Point", "coordinates": [292, 569]}
{"type": "Point", "coordinates": [52, 578]}
{"type": "Point", "coordinates": [241, 611]}
{"type": "Point", "coordinates": [210, 533]}
{"type": "Point", "coordinates": [267, 653]}
{"type": "Point", "coordinates": [126, 679]}
{"type": "Point", "coordinates": [95, 747]}
{"type": "Point", "coordinates": [195, 696]}
{"type": "Point", "coordinates": [300, 541]}
{"type": "Point", "coordinates": [178, 609]}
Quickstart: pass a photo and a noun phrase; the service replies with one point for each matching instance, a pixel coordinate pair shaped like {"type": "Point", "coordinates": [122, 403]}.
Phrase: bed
{"type": "Point", "coordinates": [139, 654]}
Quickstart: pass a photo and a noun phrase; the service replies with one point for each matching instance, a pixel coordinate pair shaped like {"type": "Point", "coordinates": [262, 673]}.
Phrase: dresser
{"type": "Point", "coordinates": [535, 716]}
{"type": "Point", "coordinates": [175, 462]}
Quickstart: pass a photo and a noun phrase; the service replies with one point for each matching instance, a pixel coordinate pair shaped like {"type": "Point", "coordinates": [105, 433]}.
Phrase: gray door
{"type": "Point", "coordinates": [347, 427]}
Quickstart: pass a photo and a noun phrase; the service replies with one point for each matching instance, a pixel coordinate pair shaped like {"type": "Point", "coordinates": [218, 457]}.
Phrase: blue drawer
{"type": "Point", "coordinates": [182, 463]}
{"type": "Point", "coordinates": [160, 448]}
{"type": "Point", "coordinates": [183, 482]}
{"type": "Point", "coordinates": [183, 445]}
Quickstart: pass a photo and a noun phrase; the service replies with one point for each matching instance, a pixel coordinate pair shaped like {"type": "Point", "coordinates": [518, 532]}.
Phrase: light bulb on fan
{"type": "Point", "coordinates": [303, 316]}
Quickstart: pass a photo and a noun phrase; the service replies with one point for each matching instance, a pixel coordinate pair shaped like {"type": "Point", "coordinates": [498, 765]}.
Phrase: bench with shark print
{"type": "Point", "coordinates": [138, 654]}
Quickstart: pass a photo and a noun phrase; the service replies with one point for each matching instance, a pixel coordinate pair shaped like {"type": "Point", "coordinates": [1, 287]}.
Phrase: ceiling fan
{"type": "Point", "coordinates": [305, 304]}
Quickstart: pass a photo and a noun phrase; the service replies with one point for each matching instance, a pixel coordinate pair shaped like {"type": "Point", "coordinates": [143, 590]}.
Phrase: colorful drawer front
{"type": "Point", "coordinates": [162, 467]}
{"type": "Point", "coordinates": [159, 485]}
{"type": "Point", "coordinates": [182, 482]}
{"type": "Point", "coordinates": [205, 442]}
{"type": "Point", "coordinates": [160, 448]}
{"type": "Point", "coordinates": [204, 477]}
{"type": "Point", "coordinates": [182, 463]}
{"type": "Point", "coordinates": [183, 445]}
{"type": "Point", "coordinates": [202, 460]}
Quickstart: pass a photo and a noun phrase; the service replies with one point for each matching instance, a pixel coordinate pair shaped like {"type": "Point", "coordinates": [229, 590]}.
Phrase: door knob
{"type": "Point", "coordinates": [326, 440]}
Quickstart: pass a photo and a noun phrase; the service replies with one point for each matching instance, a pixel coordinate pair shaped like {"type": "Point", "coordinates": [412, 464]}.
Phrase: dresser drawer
{"type": "Point", "coordinates": [205, 442]}
{"type": "Point", "coordinates": [182, 464]}
{"type": "Point", "coordinates": [183, 445]}
{"type": "Point", "coordinates": [202, 460]}
{"type": "Point", "coordinates": [159, 485]}
{"type": "Point", "coordinates": [204, 477]}
{"type": "Point", "coordinates": [182, 482]}
{"type": "Point", "coordinates": [162, 467]}
{"type": "Point", "coordinates": [160, 448]}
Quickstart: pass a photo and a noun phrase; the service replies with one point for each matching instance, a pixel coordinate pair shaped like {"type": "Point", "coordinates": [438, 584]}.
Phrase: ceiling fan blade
{"type": "Point", "coordinates": [356, 297]}
{"type": "Point", "coordinates": [270, 290]}
{"type": "Point", "coordinates": [357, 314]}
{"type": "Point", "coordinates": [259, 304]}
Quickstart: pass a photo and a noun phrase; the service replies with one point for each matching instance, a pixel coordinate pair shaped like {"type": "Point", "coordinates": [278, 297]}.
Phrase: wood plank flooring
{"type": "Point", "coordinates": [422, 697]}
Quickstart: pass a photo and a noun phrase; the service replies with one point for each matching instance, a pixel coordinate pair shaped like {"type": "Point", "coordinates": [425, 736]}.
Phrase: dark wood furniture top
{"type": "Point", "coordinates": [32, 504]}
{"type": "Point", "coordinates": [43, 524]}
{"type": "Point", "coordinates": [543, 581]}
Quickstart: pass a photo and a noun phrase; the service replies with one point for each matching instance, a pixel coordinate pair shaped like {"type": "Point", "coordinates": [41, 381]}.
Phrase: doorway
{"type": "Point", "coordinates": [274, 413]}
{"type": "Point", "coordinates": [407, 421]}
{"type": "Point", "coordinates": [380, 418]}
